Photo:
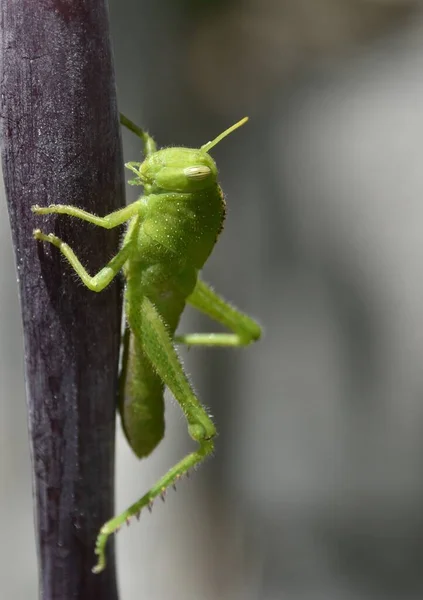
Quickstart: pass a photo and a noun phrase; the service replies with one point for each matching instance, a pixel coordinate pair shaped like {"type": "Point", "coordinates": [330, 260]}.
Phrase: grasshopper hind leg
{"type": "Point", "coordinates": [147, 325]}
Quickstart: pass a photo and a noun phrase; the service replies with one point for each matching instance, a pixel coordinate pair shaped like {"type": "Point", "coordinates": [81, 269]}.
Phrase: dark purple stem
{"type": "Point", "coordinates": [61, 144]}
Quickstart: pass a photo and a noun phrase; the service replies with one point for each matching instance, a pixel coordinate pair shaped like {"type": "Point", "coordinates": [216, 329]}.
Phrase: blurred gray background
{"type": "Point", "coordinates": [316, 488]}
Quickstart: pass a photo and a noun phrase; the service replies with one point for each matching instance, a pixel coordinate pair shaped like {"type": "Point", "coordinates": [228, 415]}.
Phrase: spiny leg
{"type": "Point", "coordinates": [149, 143]}
{"type": "Point", "coordinates": [101, 280]}
{"type": "Point", "coordinates": [245, 329]}
{"type": "Point", "coordinates": [110, 221]}
{"type": "Point", "coordinates": [148, 326]}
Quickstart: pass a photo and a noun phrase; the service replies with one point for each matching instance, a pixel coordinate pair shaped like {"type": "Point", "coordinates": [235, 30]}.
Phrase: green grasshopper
{"type": "Point", "coordinates": [171, 232]}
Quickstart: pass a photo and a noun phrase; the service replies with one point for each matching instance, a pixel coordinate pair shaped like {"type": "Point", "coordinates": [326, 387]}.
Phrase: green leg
{"type": "Point", "coordinates": [149, 143]}
{"type": "Point", "coordinates": [110, 221]}
{"type": "Point", "coordinates": [102, 279]}
{"type": "Point", "coordinates": [148, 326]}
{"type": "Point", "coordinates": [207, 301]}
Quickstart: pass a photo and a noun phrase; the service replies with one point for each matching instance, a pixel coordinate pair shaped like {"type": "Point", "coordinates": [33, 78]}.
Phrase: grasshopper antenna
{"type": "Point", "coordinates": [220, 137]}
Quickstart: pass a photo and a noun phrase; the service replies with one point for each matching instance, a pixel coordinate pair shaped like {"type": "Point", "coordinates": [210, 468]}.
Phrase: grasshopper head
{"type": "Point", "coordinates": [183, 170]}
{"type": "Point", "coordinates": [179, 170]}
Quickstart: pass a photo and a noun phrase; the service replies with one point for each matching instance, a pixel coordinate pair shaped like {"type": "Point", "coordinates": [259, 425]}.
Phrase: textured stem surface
{"type": "Point", "coordinates": [61, 143]}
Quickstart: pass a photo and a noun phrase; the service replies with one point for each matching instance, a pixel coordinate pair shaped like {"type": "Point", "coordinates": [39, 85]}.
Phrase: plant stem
{"type": "Point", "coordinates": [61, 144]}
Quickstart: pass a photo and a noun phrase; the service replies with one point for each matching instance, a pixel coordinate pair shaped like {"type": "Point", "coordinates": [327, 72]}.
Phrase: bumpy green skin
{"type": "Point", "coordinates": [172, 229]}
{"type": "Point", "coordinates": [171, 240]}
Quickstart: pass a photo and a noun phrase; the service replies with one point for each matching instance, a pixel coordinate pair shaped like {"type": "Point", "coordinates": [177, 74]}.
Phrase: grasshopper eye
{"type": "Point", "coordinates": [197, 173]}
